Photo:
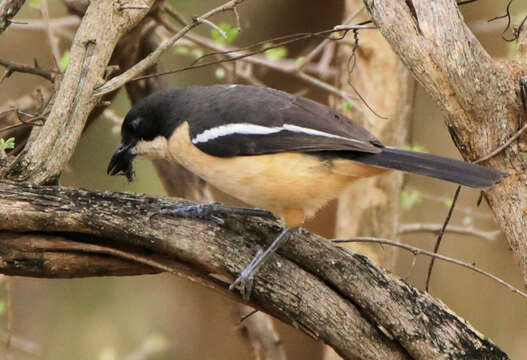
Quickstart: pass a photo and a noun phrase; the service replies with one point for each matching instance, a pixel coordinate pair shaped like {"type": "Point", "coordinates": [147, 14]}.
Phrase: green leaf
{"type": "Point", "coordinates": [7, 144]}
{"type": "Point", "coordinates": [416, 148]}
{"type": "Point", "coordinates": [3, 307]}
{"type": "Point", "coordinates": [229, 30]}
{"type": "Point", "coordinates": [64, 60]}
{"type": "Point", "coordinates": [181, 50]}
{"type": "Point", "coordinates": [197, 53]}
{"type": "Point", "coordinates": [275, 53]}
{"type": "Point", "coordinates": [410, 199]}
{"type": "Point", "coordinates": [345, 106]}
{"type": "Point", "coordinates": [34, 4]}
{"type": "Point", "coordinates": [220, 73]}
{"type": "Point", "coordinates": [300, 59]}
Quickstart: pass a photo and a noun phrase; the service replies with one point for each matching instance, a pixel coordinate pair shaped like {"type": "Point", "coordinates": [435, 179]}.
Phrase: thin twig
{"type": "Point", "coordinates": [416, 251]}
{"type": "Point", "coordinates": [14, 67]}
{"type": "Point", "coordinates": [436, 228]}
{"type": "Point", "coordinates": [493, 153]}
{"type": "Point", "coordinates": [311, 55]}
{"type": "Point", "coordinates": [260, 60]}
{"type": "Point", "coordinates": [440, 236]}
{"type": "Point", "coordinates": [153, 57]}
{"type": "Point", "coordinates": [55, 24]}
{"type": "Point", "coordinates": [52, 39]}
{"type": "Point", "coordinates": [214, 26]}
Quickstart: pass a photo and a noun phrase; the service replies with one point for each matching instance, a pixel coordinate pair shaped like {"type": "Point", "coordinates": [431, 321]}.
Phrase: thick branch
{"type": "Point", "coordinates": [312, 284]}
{"type": "Point", "coordinates": [479, 97]}
{"type": "Point", "coordinates": [101, 28]}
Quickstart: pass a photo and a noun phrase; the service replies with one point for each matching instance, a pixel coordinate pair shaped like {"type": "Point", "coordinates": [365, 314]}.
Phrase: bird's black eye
{"type": "Point", "coordinates": [133, 125]}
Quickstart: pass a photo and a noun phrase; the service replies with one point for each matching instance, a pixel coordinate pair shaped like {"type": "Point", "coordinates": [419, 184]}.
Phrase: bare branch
{"type": "Point", "coordinates": [56, 24]}
{"type": "Point", "coordinates": [52, 39]}
{"type": "Point", "coordinates": [478, 95]}
{"type": "Point", "coordinates": [318, 289]}
{"type": "Point", "coordinates": [434, 255]}
{"type": "Point", "coordinates": [462, 230]}
{"type": "Point", "coordinates": [151, 59]}
{"type": "Point", "coordinates": [14, 67]}
{"type": "Point", "coordinates": [91, 50]}
{"type": "Point", "coordinates": [8, 9]}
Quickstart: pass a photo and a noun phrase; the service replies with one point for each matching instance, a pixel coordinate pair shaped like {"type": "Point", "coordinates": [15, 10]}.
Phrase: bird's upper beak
{"type": "Point", "coordinates": [121, 162]}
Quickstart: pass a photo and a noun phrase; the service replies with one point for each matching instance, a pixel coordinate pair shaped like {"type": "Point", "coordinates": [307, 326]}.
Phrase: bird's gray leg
{"type": "Point", "coordinates": [246, 276]}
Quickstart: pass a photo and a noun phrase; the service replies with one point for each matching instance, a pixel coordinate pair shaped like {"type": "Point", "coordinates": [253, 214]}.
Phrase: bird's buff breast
{"type": "Point", "coordinates": [276, 182]}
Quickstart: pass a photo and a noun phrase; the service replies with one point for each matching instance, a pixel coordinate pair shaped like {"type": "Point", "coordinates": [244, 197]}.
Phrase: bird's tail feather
{"type": "Point", "coordinates": [459, 172]}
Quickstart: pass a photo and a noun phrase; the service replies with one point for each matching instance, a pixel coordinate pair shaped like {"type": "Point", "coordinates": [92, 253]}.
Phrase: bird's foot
{"type": "Point", "coordinates": [246, 278]}
{"type": "Point", "coordinates": [211, 212]}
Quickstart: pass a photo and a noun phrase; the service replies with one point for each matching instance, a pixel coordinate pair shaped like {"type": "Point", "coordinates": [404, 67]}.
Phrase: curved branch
{"type": "Point", "coordinates": [335, 296]}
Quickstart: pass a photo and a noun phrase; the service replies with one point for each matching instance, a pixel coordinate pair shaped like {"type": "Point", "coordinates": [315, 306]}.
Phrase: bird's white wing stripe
{"type": "Point", "coordinates": [251, 129]}
{"type": "Point", "coordinates": [240, 128]}
{"type": "Point", "coordinates": [300, 129]}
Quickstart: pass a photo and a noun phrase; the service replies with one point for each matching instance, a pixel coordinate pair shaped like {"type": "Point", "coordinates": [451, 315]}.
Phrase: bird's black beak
{"type": "Point", "coordinates": [121, 162]}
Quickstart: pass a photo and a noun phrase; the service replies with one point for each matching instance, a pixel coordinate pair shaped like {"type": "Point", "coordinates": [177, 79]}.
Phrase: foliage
{"type": "Point", "coordinates": [409, 199]}
{"type": "Point", "coordinates": [7, 144]}
{"type": "Point", "coordinates": [229, 30]}
{"type": "Point", "coordinates": [277, 53]}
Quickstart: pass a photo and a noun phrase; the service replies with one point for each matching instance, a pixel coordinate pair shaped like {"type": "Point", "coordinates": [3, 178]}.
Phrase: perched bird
{"type": "Point", "coordinates": [270, 149]}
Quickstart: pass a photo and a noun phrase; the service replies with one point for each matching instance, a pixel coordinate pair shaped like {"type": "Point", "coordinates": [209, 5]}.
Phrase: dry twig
{"type": "Point", "coordinates": [433, 255]}
{"type": "Point", "coordinates": [12, 67]}
{"type": "Point", "coordinates": [436, 228]}
{"type": "Point", "coordinates": [153, 57]}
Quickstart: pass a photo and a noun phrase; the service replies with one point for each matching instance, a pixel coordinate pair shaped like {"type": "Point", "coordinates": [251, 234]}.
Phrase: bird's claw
{"type": "Point", "coordinates": [246, 278]}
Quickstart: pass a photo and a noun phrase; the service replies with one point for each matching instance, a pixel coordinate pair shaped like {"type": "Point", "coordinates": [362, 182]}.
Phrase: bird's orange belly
{"type": "Point", "coordinates": [277, 182]}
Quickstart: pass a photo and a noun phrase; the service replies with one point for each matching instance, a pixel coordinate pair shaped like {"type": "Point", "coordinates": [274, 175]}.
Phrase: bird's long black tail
{"type": "Point", "coordinates": [459, 172]}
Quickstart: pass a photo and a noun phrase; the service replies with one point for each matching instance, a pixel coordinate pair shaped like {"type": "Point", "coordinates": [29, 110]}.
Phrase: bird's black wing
{"type": "Point", "coordinates": [234, 120]}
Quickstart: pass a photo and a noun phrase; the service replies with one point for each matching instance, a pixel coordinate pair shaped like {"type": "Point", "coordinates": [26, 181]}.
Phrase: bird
{"type": "Point", "coordinates": [270, 149]}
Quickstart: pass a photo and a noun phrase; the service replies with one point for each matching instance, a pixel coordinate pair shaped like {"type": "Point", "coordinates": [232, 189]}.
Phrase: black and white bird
{"type": "Point", "coordinates": [270, 149]}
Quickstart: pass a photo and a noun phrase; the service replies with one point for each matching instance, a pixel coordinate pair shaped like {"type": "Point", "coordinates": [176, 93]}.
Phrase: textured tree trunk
{"type": "Point", "coordinates": [479, 96]}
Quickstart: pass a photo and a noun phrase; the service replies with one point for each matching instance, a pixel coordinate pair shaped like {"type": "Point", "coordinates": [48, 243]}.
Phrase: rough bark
{"type": "Point", "coordinates": [478, 95]}
{"type": "Point", "coordinates": [52, 145]}
{"type": "Point", "coordinates": [326, 291]}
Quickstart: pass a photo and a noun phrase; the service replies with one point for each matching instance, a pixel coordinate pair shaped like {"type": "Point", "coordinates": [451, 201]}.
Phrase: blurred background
{"type": "Point", "coordinates": [172, 318]}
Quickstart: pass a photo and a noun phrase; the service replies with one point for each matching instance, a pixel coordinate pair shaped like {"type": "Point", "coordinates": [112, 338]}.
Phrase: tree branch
{"type": "Point", "coordinates": [479, 97]}
{"type": "Point", "coordinates": [153, 57]}
{"type": "Point", "coordinates": [312, 284]}
{"type": "Point", "coordinates": [14, 67]}
{"type": "Point", "coordinates": [94, 42]}
{"type": "Point", "coordinates": [8, 9]}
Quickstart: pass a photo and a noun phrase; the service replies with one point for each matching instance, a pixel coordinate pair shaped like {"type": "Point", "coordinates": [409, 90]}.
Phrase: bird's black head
{"type": "Point", "coordinates": [152, 117]}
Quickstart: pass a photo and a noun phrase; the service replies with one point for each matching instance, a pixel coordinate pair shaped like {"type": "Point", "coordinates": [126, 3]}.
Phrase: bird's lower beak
{"type": "Point", "coordinates": [121, 162]}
